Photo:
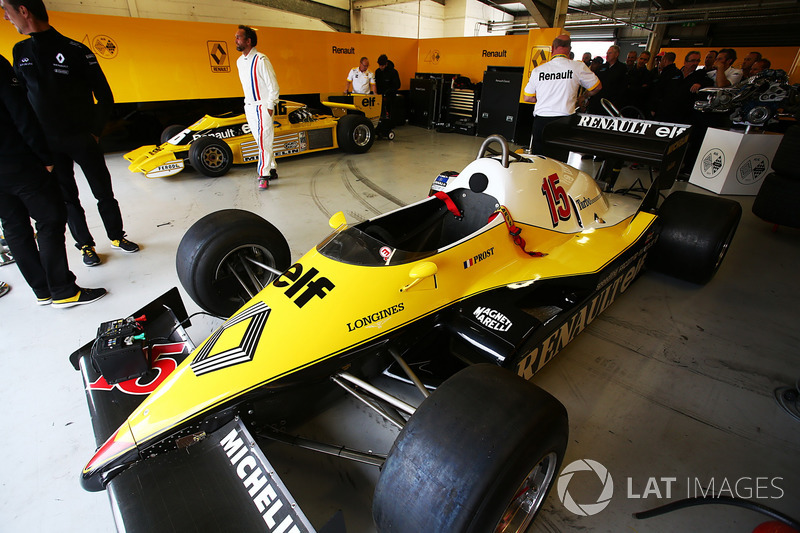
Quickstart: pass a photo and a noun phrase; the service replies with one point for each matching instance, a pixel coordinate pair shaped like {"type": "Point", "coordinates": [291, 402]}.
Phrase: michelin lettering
{"type": "Point", "coordinates": [276, 511]}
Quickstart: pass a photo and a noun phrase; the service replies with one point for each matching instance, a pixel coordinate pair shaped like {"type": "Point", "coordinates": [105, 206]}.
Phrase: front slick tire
{"type": "Point", "coordinates": [219, 258]}
{"type": "Point", "coordinates": [478, 456]}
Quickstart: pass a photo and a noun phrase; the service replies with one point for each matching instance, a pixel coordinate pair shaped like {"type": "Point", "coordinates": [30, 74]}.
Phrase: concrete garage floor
{"type": "Point", "coordinates": [672, 381]}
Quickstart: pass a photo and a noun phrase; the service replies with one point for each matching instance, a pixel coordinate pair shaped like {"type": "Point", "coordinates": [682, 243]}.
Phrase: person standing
{"type": "Point", "coordinates": [387, 83]}
{"type": "Point", "coordinates": [553, 87]}
{"type": "Point", "coordinates": [63, 80]}
{"type": "Point", "coordinates": [613, 76]}
{"type": "Point", "coordinates": [360, 79]}
{"type": "Point", "coordinates": [28, 190]}
{"type": "Point", "coordinates": [724, 63]}
{"type": "Point", "coordinates": [261, 93]}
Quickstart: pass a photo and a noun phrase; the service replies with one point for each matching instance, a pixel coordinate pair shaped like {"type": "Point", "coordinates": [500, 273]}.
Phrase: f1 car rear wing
{"type": "Point", "coordinates": [661, 145]}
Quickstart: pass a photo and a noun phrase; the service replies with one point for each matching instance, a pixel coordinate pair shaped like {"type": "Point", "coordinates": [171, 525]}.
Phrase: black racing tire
{"type": "Point", "coordinates": [171, 131]}
{"type": "Point", "coordinates": [463, 459]}
{"type": "Point", "coordinates": [355, 134]}
{"type": "Point", "coordinates": [696, 232]}
{"type": "Point", "coordinates": [211, 156]}
{"type": "Point", "coordinates": [225, 240]}
{"type": "Point", "coordinates": [390, 135]}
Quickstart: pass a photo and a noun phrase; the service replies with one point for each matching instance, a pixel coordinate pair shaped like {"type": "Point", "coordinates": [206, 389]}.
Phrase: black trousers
{"type": "Point", "coordinates": [35, 194]}
{"type": "Point", "coordinates": [84, 150]}
{"type": "Point", "coordinates": [539, 146]}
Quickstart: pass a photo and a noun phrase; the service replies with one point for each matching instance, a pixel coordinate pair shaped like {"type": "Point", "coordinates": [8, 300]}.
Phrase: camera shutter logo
{"type": "Point", "coordinates": [585, 509]}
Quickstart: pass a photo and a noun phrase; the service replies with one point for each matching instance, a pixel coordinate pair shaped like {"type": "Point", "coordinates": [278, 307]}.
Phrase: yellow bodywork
{"type": "Point", "coordinates": [320, 308]}
{"type": "Point", "coordinates": [289, 138]}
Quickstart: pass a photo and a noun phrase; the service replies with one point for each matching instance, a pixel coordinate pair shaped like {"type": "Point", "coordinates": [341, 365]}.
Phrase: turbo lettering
{"type": "Point", "coordinates": [375, 320]}
{"type": "Point", "coordinates": [319, 287]}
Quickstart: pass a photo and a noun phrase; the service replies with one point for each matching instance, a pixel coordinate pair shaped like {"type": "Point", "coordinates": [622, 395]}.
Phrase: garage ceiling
{"type": "Point", "coordinates": [734, 23]}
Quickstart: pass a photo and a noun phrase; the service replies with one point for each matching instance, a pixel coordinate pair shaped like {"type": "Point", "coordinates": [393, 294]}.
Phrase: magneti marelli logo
{"type": "Point", "coordinates": [585, 509]}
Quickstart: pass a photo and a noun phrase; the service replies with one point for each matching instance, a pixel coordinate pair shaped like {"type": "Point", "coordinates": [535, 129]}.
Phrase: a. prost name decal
{"type": "Point", "coordinates": [269, 495]}
{"type": "Point", "coordinates": [492, 319]}
{"type": "Point", "coordinates": [295, 279]}
{"type": "Point", "coordinates": [164, 359]}
{"type": "Point", "coordinates": [478, 258]}
{"type": "Point", "coordinates": [375, 320]}
{"type": "Point", "coordinates": [205, 361]}
{"type": "Point", "coordinates": [553, 344]}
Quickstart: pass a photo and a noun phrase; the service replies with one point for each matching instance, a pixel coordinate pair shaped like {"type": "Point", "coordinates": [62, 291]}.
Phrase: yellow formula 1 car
{"type": "Point", "coordinates": [460, 293]}
{"type": "Point", "coordinates": [214, 143]}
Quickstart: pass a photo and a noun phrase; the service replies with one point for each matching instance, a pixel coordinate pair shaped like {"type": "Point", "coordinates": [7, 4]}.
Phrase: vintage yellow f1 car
{"type": "Point", "coordinates": [214, 143]}
{"type": "Point", "coordinates": [466, 293]}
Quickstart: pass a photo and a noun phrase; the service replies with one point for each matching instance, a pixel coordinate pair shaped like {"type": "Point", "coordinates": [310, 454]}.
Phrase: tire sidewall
{"type": "Point", "coordinates": [456, 472]}
{"type": "Point", "coordinates": [345, 130]}
{"type": "Point", "coordinates": [198, 148]}
{"type": "Point", "coordinates": [213, 237]}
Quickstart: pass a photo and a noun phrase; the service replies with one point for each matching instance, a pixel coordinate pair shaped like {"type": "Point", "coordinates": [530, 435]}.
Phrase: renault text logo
{"type": "Point", "coordinates": [586, 509]}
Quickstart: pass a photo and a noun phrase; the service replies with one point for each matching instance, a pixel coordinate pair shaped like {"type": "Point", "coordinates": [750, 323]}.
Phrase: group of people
{"type": "Point", "coordinates": [55, 103]}
{"type": "Point", "coordinates": [664, 93]}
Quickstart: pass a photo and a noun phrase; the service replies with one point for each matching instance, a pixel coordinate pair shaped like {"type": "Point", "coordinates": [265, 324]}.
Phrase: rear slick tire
{"type": "Point", "coordinates": [696, 232]}
{"type": "Point", "coordinates": [479, 455]}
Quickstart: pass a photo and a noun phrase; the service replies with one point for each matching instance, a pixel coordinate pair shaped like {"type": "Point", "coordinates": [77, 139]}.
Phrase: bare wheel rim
{"type": "Point", "coordinates": [245, 268]}
{"type": "Point", "coordinates": [213, 157]}
{"type": "Point", "coordinates": [528, 497]}
{"type": "Point", "coordinates": [362, 135]}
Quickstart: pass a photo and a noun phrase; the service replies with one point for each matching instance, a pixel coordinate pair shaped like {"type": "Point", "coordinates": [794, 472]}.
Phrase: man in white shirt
{"type": "Point", "coordinates": [261, 93]}
{"type": "Point", "coordinates": [360, 80]}
{"type": "Point", "coordinates": [553, 87]}
{"type": "Point", "coordinates": [724, 63]}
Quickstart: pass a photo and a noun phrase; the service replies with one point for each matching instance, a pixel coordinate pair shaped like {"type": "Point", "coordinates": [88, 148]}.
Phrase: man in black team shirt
{"type": "Point", "coordinates": [28, 190]}
{"type": "Point", "coordinates": [63, 80]}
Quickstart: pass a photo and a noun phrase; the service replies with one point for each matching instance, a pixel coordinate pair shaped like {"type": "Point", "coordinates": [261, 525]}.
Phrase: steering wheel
{"type": "Point", "coordinates": [373, 230]}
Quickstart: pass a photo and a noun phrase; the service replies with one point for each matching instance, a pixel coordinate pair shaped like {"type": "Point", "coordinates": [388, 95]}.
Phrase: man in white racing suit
{"type": "Point", "coordinates": [260, 97]}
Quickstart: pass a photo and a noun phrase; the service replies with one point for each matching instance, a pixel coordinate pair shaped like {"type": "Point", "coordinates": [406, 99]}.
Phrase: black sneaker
{"type": "Point", "coordinates": [90, 257]}
{"type": "Point", "coordinates": [125, 245]}
{"type": "Point", "coordinates": [84, 296]}
{"type": "Point", "coordinates": [273, 174]}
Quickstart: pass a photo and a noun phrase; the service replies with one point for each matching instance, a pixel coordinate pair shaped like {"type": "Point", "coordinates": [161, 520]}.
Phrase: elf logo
{"type": "Point", "coordinates": [295, 279]}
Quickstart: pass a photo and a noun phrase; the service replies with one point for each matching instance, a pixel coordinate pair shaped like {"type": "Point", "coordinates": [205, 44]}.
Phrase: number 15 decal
{"type": "Point", "coordinates": [557, 199]}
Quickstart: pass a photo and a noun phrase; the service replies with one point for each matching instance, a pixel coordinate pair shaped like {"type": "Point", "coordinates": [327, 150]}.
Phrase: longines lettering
{"type": "Point", "coordinates": [375, 320]}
